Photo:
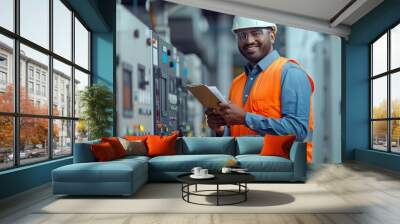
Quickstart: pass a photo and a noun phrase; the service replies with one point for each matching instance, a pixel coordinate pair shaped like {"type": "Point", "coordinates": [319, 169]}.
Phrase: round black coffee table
{"type": "Point", "coordinates": [238, 179]}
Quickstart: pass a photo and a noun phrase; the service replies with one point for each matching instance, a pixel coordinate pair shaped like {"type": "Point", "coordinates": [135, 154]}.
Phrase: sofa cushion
{"type": "Point", "coordinates": [135, 147]}
{"type": "Point", "coordinates": [185, 163]}
{"type": "Point", "coordinates": [257, 163]}
{"type": "Point", "coordinates": [103, 152]}
{"type": "Point", "coordinates": [275, 145]}
{"type": "Point", "coordinates": [112, 171]}
{"type": "Point", "coordinates": [131, 158]}
{"type": "Point", "coordinates": [161, 145]}
{"type": "Point", "coordinates": [83, 152]}
{"type": "Point", "coordinates": [116, 145]}
{"type": "Point", "coordinates": [249, 145]}
{"type": "Point", "coordinates": [206, 145]}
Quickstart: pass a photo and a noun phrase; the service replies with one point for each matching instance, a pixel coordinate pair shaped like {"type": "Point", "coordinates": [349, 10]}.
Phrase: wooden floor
{"type": "Point", "coordinates": [378, 188]}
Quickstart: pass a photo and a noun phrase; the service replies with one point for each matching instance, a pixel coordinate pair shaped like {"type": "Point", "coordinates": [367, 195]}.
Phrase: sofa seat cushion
{"type": "Point", "coordinates": [112, 171]}
{"type": "Point", "coordinates": [257, 163]}
{"type": "Point", "coordinates": [185, 163]}
{"type": "Point", "coordinates": [133, 158]}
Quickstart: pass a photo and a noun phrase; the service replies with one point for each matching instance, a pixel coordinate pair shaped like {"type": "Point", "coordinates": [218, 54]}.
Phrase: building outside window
{"type": "Point", "coordinates": [38, 89]}
{"type": "Point", "coordinates": [3, 72]}
{"type": "Point", "coordinates": [30, 87]}
{"type": "Point", "coordinates": [3, 61]}
{"type": "Point", "coordinates": [43, 77]}
{"type": "Point", "coordinates": [57, 128]}
{"type": "Point", "coordinates": [37, 75]}
{"type": "Point", "coordinates": [385, 91]}
{"type": "Point", "coordinates": [43, 90]}
{"type": "Point", "coordinates": [3, 77]}
{"type": "Point", "coordinates": [30, 72]}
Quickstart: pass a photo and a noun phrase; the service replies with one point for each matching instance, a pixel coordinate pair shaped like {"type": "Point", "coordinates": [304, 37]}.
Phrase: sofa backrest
{"type": "Point", "coordinates": [83, 152]}
{"type": "Point", "coordinates": [249, 145]}
{"type": "Point", "coordinates": [206, 145]}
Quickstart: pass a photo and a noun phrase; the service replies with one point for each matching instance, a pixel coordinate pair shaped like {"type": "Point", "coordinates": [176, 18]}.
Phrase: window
{"type": "Point", "coordinates": [30, 72]}
{"type": "Point", "coordinates": [30, 87]}
{"type": "Point", "coordinates": [81, 81]}
{"type": "Point", "coordinates": [81, 45]}
{"type": "Point", "coordinates": [3, 78]}
{"type": "Point", "coordinates": [34, 21]}
{"type": "Point", "coordinates": [37, 75]}
{"type": "Point", "coordinates": [62, 30]}
{"type": "Point", "coordinates": [33, 147]}
{"type": "Point", "coordinates": [7, 14]}
{"type": "Point", "coordinates": [6, 83]}
{"type": "Point", "coordinates": [6, 142]}
{"type": "Point", "coordinates": [45, 131]}
{"type": "Point", "coordinates": [62, 74]}
{"type": "Point", "coordinates": [62, 140]}
{"type": "Point", "coordinates": [385, 94]}
{"type": "Point", "coordinates": [3, 61]}
{"type": "Point", "coordinates": [44, 91]}
{"type": "Point", "coordinates": [38, 89]}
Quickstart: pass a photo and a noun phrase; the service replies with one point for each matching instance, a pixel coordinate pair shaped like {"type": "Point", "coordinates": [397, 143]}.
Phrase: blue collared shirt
{"type": "Point", "coordinates": [295, 100]}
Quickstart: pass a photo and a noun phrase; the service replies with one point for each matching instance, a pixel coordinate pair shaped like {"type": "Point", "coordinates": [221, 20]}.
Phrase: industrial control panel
{"type": "Point", "coordinates": [184, 126]}
{"type": "Point", "coordinates": [165, 87]}
{"type": "Point", "coordinates": [134, 75]}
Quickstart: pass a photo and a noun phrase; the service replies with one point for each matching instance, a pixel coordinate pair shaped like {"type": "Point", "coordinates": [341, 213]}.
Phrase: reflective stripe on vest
{"type": "Point", "coordinates": [264, 97]}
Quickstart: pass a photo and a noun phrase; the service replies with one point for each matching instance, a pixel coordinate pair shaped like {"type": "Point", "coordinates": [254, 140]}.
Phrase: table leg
{"type": "Point", "coordinates": [188, 190]}
{"type": "Point", "coordinates": [245, 193]}
{"type": "Point", "coordinates": [217, 194]}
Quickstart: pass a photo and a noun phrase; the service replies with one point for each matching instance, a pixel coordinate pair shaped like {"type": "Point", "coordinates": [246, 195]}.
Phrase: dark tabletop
{"type": "Point", "coordinates": [220, 178]}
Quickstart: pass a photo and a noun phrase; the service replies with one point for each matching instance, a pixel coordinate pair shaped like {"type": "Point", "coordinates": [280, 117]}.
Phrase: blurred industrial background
{"type": "Point", "coordinates": [211, 57]}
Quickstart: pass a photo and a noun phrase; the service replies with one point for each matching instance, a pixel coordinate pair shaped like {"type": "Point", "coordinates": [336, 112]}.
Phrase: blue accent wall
{"type": "Point", "coordinates": [24, 178]}
{"type": "Point", "coordinates": [356, 76]}
{"type": "Point", "coordinates": [99, 16]}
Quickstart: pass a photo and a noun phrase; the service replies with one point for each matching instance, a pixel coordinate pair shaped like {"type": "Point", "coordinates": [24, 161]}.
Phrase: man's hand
{"type": "Point", "coordinates": [232, 114]}
{"type": "Point", "coordinates": [215, 121]}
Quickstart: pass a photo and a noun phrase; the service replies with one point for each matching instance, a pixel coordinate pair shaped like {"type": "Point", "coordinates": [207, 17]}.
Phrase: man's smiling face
{"type": "Point", "coordinates": [255, 43]}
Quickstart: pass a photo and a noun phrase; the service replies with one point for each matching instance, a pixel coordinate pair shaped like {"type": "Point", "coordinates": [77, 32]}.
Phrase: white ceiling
{"type": "Point", "coordinates": [317, 15]}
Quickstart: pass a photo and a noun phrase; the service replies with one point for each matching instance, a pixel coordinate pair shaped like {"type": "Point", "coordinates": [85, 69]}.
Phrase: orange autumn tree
{"type": "Point", "coordinates": [33, 130]}
{"type": "Point", "coordinates": [6, 122]}
{"type": "Point", "coordinates": [380, 128]}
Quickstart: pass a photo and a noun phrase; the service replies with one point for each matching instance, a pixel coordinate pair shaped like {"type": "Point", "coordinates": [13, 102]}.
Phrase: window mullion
{"type": "Point", "coordinates": [73, 81]}
{"type": "Point", "coordinates": [389, 106]}
{"type": "Point", "coordinates": [371, 99]}
{"type": "Point", "coordinates": [50, 81]}
{"type": "Point", "coordinates": [16, 83]}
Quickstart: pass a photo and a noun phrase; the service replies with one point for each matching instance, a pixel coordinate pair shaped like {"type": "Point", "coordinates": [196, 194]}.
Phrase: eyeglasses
{"type": "Point", "coordinates": [256, 34]}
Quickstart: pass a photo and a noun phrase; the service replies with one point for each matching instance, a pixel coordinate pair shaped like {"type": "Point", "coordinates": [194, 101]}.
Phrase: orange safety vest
{"type": "Point", "coordinates": [265, 98]}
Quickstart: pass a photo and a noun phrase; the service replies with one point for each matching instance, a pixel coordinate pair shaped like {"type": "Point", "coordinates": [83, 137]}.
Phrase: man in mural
{"type": "Point", "coordinates": [272, 97]}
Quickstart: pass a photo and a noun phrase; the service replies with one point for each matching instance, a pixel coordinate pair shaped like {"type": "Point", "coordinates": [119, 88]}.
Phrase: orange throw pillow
{"type": "Point", "coordinates": [161, 145]}
{"type": "Point", "coordinates": [103, 152]}
{"type": "Point", "coordinates": [275, 145]}
{"type": "Point", "coordinates": [116, 145]}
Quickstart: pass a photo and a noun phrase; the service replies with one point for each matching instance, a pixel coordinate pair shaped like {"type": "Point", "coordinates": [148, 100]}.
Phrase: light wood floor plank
{"type": "Point", "coordinates": [376, 190]}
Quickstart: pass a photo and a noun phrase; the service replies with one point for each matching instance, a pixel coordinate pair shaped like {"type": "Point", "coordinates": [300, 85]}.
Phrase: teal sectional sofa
{"type": "Point", "coordinates": [125, 176]}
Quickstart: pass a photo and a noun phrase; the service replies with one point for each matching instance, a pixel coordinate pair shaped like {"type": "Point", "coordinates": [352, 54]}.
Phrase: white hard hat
{"type": "Point", "coordinates": [244, 23]}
